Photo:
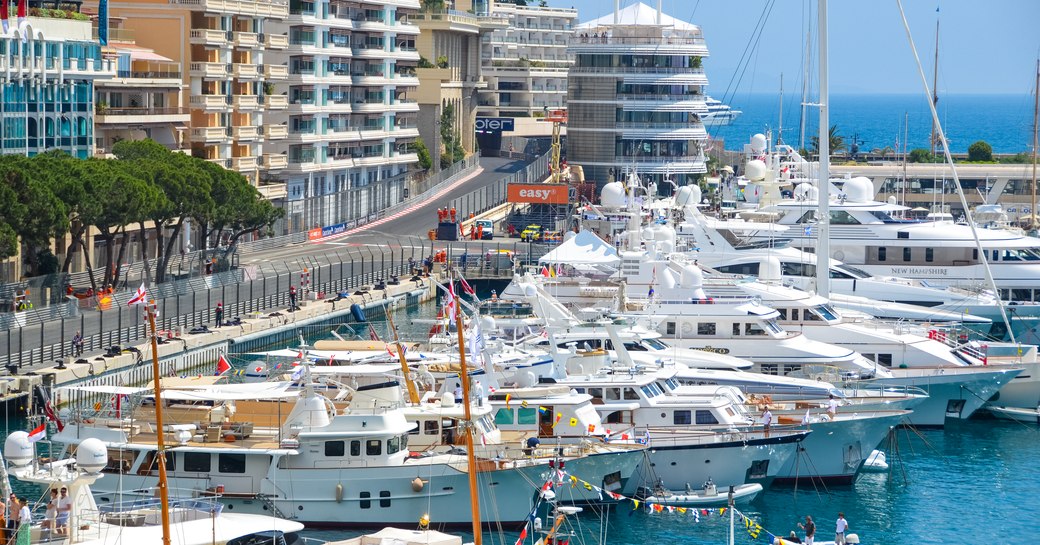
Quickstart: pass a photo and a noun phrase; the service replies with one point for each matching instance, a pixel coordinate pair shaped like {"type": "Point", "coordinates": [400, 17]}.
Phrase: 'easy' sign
{"type": "Point", "coordinates": [538, 193]}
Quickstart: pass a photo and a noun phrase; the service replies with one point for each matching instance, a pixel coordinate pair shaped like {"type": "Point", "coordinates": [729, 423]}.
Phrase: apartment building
{"type": "Point", "coordinates": [347, 120]}
{"type": "Point", "coordinates": [525, 61]}
{"type": "Point", "coordinates": [145, 99]}
{"type": "Point", "coordinates": [47, 87]}
{"type": "Point", "coordinates": [635, 96]}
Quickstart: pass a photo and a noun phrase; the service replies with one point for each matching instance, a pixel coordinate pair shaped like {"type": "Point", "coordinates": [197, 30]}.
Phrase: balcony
{"type": "Point", "coordinates": [226, 163]}
{"type": "Point", "coordinates": [208, 36]}
{"type": "Point", "coordinates": [245, 134]}
{"type": "Point", "coordinates": [276, 102]}
{"type": "Point", "coordinates": [142, 115]}
{"type": "Point", "coordinates": [243, 164]}
{"type": "Point", "coordinates": [209, 102]}
{"type": "Point", "coordinates": [246, 102]}
{"type": "Point", "coordinates": [245, 71]}
{"type": "Point", "coordinates": [276, 41]}
{"type": "Point", "coordinates": [276, 132]}
{"type": "Point", "coordinates": [246, 40]}
{"type": "Point", "coordinates": [276, 71]}
{"type": "Point", "coordinates": [273, 161]}
{"type": "Point", "coordinates": [208, 135]}
{"type": "Point", "coordinates": [210, 70]}
{"type": "Point", "coordinates": [277, 9]}
{"type": "Point", "coordinates": [273, 191]}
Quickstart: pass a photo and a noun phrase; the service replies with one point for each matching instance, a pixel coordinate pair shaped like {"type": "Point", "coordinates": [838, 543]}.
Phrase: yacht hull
{"type": "Point", "coordinates": [953, 392]}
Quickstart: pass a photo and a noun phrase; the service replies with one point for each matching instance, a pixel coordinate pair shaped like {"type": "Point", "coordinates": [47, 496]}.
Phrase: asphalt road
{"type": "Point", "coordinates": [360, 251]}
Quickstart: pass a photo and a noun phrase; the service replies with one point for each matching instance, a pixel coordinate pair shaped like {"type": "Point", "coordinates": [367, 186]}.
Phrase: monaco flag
{"type": "Point", "coordinates": [222, 365]}
{"type": "Point", "coordinates": [38, 433]}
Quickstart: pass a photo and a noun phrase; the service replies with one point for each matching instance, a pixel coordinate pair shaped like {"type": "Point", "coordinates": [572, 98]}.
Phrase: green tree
{"type": "Point", "coordinates": [442, 61]}
{"type": "Point", "coordinates": [41, 215]}
{"type": "Point", "coordinates": [921, 155]}
{"type": "Point", "coordinates": [837, 142]}
{"type": "Point", "coordinates": [425, 161]}
{"type": "Point", "coordinates": [239, 208]}
{"type": "Point", "coordinates": [980, 151]}
{"type": "Point", "coordinates": [432, 5]}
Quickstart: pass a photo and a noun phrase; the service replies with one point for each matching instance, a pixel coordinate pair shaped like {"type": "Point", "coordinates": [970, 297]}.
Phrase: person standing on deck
{"type": "Point", "coordinates": [840, 528]}
{"type": "Point", "coordinates": [810, 529]}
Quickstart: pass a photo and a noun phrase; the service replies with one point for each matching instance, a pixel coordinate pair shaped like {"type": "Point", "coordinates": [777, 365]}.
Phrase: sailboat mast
{"type": "Point", "coordinates": [935, 83]}
{"type": "Point", "coordinates": [823, 245]}
{"type": "Point", "coordinates": [164, 496]}
{"type": "Point", "coordinates": [805, 95]}
{"type": "Point", "coordinates": [413, 395]}
{"type": "Point", "coordinates": [780, 127]}
{"type": "Point", "coordinates": [1036, 118]}
{"type": "Point", "coordinates": [471, 459]}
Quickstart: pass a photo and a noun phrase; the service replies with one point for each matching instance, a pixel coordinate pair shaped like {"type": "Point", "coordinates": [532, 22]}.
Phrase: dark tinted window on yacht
{"type": "Point", "coordinates": [197, 462]}
{"type": "Point", "coordinates": [669, 328]}
{"type": "Point", "coordinates": [929, 254]}
{"type": "Point", "coordinates": [739, 268]}
{"type": "Point", "coordinates": [374, 447]}
{"type": "Point", "coordinates": [682, 418]}
{"type": "Point", "coordinates": [393, 445]}
{"type": "Point", "coordinates": [907, 253]}
{"type": "Point", "coordinates": [705, 417]}
{"type": "Point", "coordinates": [736, 330]}
{"type": "Point", "coordinates": [430, 427]}
{"type": "Point", "coordinates": [705, 328]}
{"type": "Point", "coordinates": [366, 503]}
{"type": "Point", "coordinates": [231, 463]}
{"type": "Point", "coordinates": [335, 448]}
{"type": "Point", "coordinates": [631, 394]}
{"type": "Point", "coordinates": [355, 448]}
{"type": "Point", "coordinates": [384, 498]}
{"type": "Point", "coordinates": [885, 359]}
{"type": "Point", "coordinates": [882, 253]}
{"type": "Point", "coordinates": [504, 417]}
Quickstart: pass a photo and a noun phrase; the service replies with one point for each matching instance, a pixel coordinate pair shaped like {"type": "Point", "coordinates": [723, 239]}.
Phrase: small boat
{"type": "Point", "coordinates": [702, 497]}
{"type": "Point", "coordinates": [875, 463]}
{"type": "Point", "coordinates": [1016, 413]}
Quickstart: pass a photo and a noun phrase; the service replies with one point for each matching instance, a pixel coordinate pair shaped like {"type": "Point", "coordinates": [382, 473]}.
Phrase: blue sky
{"type": "Point", "coordinates": [985, 47]}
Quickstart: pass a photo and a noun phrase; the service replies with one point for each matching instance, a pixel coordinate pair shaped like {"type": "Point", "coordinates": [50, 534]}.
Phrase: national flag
{"type": "Point", "coordinates": [222, 365]}
{"type": "Point", "coordinates": [449, 300]}
{"type": "Point", "coordinates": [466, 288]}
{"type": "Point", "coordinates": [140, 297]}
{"type": "Point", "coordinates": [260, 368]}
{"type": "Point", "coordinates": [297, 374]}
{"type": "Point", "coordinates": [48, 409]}
{"type": "Point", "coordinates": [543, 410]}
{"type": "Point", "coordinates": [39, 432]}
{"type": "Point", "coordinates": [3, 15]}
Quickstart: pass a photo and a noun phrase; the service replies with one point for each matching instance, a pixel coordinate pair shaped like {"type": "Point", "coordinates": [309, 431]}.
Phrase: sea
{"type": "Point", "coordinates": [976, 481]}
{"type": "Point", "coordinates": [875, 122]}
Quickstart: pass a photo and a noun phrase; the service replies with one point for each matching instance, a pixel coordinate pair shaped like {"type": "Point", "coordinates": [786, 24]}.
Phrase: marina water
{"type": "Point", "coordinates": [1004, 121]}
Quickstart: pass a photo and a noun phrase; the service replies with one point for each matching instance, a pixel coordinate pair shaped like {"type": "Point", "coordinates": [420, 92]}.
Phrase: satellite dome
{"type": "Point", "coordinates": [613, 195]}
{"type": "Point", "coordinates": [758, 143]}
{"type": "Point", "coordinates": [859, 189]}
{"type": "Point", "coordinates": [91, 455]}
{"type": "Point", "coordinates": [18, 449]}
{"type": "Point", "coordinates": [682, 197]}
{"type": "Point", "coordinates": [755, 170]}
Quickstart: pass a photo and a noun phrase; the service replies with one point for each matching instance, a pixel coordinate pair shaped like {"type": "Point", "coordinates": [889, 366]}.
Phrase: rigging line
{"type": "Point", "coordinates": [956, 178]}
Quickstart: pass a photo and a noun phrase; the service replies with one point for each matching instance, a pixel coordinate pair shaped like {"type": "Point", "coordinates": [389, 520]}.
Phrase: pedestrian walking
{"type": "Point", "coordinates": [77, 344]}
{"type": "Point", "coordinates": [218, 314]}
{"type": "Point", "coordinates": [292, 299]}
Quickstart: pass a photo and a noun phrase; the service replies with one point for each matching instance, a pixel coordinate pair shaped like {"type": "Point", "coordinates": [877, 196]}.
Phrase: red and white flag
{"type": "Point", "coordinates": [449, 301]}
{"type": "Point", "coordinates": [466, 288]}
{"type": "Point", "coordinates": [545, 271]}
{"type": "Point", "coordinates": [39, 433]}
{"type": "Point", "coordinates": [222, 365]}
{"type": "Point", "coordinates": [139, 298]}
{"type": "Point", "coordinates": [3, 15]}
{"type": "Point", "coordinates": [23, 19]}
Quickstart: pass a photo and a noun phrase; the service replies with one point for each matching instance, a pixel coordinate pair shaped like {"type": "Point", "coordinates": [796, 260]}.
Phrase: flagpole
{"type": "Point", "coordinates": [164, 497]}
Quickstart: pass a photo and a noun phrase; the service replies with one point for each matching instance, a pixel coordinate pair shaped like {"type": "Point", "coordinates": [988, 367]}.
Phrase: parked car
{"type": "Point", "coordinates": [532, 233]}
{"type": "Point", "coordinates": [487, 229]}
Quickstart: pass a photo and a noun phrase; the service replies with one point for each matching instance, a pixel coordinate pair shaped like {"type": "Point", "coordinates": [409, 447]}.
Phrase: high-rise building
{"type": "Point", "coordinates": [525, 62]}
{"type": "Point", "coordinates": [634, 97]}
{"type": "Point", "coordinates": [47, 86]}
{"type": "Point", "coordinates": [350, 121]}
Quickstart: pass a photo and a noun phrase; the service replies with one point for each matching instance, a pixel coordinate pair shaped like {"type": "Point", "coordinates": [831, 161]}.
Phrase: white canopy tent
{"type": "Point", "coordinates": [585, 248]}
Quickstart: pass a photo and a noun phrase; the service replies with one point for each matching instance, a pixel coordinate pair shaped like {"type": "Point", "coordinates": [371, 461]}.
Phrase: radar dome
{"type": "Point", "coordinates": [859, 189]}
{"type": "Point", "coordinates": [18, 449]}
{"type": "Point", "coordinates": [769, 269]}
{"type": "Point", "coordinates": [695, 196]}
{"type": "Point", "coordinates": [530, 290]}
{"type": "Point", "coordinates": [758, 143]}
{"type": "Point", "coordinates": [487, 323]}
{"type": "Point", "coordinates": [755, 170]}
{"type": "Point", "coordinates": [683, 196]}
{"type": "Point", "coordinates": [91, 455]}
{"type": "Point", "coordinates": [892, 199]}
{"type": "Point", "coordinates": [613, 195]}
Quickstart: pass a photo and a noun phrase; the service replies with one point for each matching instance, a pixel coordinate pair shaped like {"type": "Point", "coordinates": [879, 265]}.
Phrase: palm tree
{"type": "Point", "coordinates": [837, 141]}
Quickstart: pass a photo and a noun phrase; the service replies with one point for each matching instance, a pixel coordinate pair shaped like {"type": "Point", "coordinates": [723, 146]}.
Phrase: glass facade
{"type": "Point", "coordinates": [39, 112]}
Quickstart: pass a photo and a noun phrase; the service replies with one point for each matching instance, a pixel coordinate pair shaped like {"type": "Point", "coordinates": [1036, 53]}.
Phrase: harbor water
{"type": "Point", "coordinates": [1004, 121]}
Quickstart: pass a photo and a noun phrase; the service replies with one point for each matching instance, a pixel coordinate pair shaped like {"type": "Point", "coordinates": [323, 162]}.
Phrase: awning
{"type": "Point", "coordinates": [142, 54]}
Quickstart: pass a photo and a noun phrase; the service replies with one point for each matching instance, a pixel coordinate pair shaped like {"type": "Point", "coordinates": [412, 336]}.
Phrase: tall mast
{"type": "Point", "coordinates": [823, 245]}
{"type": "Point", "coordinates": [413, 394]}
{"type": "Point", "coordinates": [805, 96]}
{"type": "Point", "coordinates": [935, 83]}
{"type": "Point", "coordinates": [780, 127]}
{"type": "Point", "coordinates": [1036, 112]}
{"type": "Point", "coordinates": [471, 459]}
{"type": "Point", "coordinates": [164, 496]}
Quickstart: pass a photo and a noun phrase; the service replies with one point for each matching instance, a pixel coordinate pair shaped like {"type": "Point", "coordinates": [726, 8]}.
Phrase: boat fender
{"type": "Point", "coordinates": [418, 484]}
{"type": "Point", "coordinates": [357, 312]}
{"type": "Point", "coordinates": [339, 492]}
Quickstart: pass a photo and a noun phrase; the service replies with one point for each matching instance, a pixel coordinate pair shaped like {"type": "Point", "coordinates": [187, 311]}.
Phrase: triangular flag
{"type": "Point", "coordinates": [222, 365]}
{"type": "Point", "coordinates": [38, 433]}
